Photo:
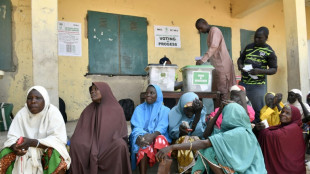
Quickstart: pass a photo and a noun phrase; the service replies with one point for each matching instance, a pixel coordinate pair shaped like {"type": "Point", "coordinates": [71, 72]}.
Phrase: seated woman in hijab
{"type": "Point", "coordinates": [283, 145]}
{"type": "Point", "coordinates": [149, 124]}
{"type": "Point", "coordinates": [238, 95]}
{"type": "Point", "coordinates": [295, 98]}
{"type": "Point", "coordinates": [187, 124]}
{"type": "Point", "coordinates": [234, 150]}
{"type": "Point", "coordinates": [272, 109]}
{"type": "Point", "coordinates": [99, 142]}
{"type": "Point", "coordinates": [36, 138]}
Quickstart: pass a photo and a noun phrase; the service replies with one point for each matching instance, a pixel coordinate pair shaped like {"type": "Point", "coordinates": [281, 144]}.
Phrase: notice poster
{"type": "Point", "coordinates": [69, 39]}
{"type": "Point", "coordinates": [167, 36]}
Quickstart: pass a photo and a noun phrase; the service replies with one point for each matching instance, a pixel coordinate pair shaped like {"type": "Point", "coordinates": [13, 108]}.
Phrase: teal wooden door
{"type": "Point", "coordinates": [133, 45]}
{"type": "Point", "coordinates": [103, 43]}
{"type": "Point", "coordinates": [246, 37]}
{"type": "Point", "coordinates": [6, 61]}
{"type": "Point", "coordinates": [226, 31]}
{"type": "Point", "coordinates": [117, 44]}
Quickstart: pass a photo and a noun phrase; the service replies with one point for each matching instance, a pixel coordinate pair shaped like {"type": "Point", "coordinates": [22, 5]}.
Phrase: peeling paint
{"type": "Point", "coordinates": [101, 33]}
{"type": "Point", "coordinates": [95, 36]}
{"type": "Point", "coordinates": [110, 39]}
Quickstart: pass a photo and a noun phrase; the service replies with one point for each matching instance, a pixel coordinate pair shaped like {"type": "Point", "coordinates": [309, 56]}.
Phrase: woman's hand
{"type": "Point", "coordinates": [162, 153]}
{"type": "Point", "coordinates": [145, 140]}
{"type": "Point", "coordinates": [18, 151]}
{"type": "Point", "coordinates": [27, 143]}
{"type": "Point", "coordinates": [197, 106]}
{"type": "Point", "coordinates": [149, 138]}
{"type": "Point", "coordinates": [183, 130]}
{"type": "Point", "coordinates": [141, 141]}
{"type": "Point", "coordinates": [21, 149]}
{"type": "Point", "coordinates": [259, 126]}
{"type": "Point", "coordinates": [277, 99]}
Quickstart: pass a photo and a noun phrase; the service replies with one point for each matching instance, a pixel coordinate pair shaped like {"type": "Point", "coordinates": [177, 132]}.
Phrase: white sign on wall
{"type": "Point", "coordinates": [69, 39]}
{"type": "Point", "coordinates": [167, 36]}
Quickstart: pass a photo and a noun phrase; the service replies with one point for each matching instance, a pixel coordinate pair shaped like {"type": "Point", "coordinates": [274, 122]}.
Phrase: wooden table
{"type": "Point", "coordinates": [216, 96]}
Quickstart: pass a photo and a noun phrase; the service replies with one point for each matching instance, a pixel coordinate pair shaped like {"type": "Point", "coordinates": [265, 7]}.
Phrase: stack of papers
{"type": "Point", "coordinates": [248, 68]}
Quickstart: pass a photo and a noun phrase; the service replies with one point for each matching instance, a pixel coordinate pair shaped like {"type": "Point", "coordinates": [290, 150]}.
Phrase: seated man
{"type": "Point", "coordinates": [272, 109]}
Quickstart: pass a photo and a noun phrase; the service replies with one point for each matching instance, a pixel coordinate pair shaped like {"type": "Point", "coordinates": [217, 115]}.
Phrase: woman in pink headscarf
{"type": "Point", "coordinates": [237, 94]}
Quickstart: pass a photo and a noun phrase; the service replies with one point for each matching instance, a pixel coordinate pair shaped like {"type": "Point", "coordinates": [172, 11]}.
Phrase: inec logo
{"type": "Point", "coordinates": [200, 78]}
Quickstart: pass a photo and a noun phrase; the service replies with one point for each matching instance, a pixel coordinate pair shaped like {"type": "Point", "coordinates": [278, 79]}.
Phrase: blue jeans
{"type": "Point", "coordinates": [256, 94]}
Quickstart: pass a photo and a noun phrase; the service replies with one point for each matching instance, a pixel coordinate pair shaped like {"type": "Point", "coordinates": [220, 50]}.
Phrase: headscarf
{"type": "Point", "coordinates": [274, 94]}
{"type": "Point", "coordinates": [148, 118]}
{"type": "Point", "coordinates": [296, 116]}
{"type": "Point", "coordinates": [297, 104]}
{"type": "Point", "coordinates": [236, 146]}
{"type": "Point", "coordinates": [177, 115]}
{"type": "Point", "coordinates": [239, 88]}
{"type": "Point", "coordinates": [100, 129]}
{"type": "Point", "coordinates": [283, 146]}
{"type": "Point", "coordinates": [296, 91]}
{"type": "Point", "coordinates": [47, 126]}
{"type": "Point", "coordinates": [46, 98]}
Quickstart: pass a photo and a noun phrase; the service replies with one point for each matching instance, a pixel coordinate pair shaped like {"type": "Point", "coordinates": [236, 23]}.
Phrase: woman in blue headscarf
{"type": "Point", "coordinates": [185, 111]}
{"type": "Point", "coordinates": [149, 124]}
{"type": "Point", "coordinates": [187, 124]}
{"type": "Point", "coordinates": [233, 150]}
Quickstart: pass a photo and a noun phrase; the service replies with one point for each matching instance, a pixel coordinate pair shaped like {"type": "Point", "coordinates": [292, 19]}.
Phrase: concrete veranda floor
{"type": "Point", "coordinates": [70, 129]}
